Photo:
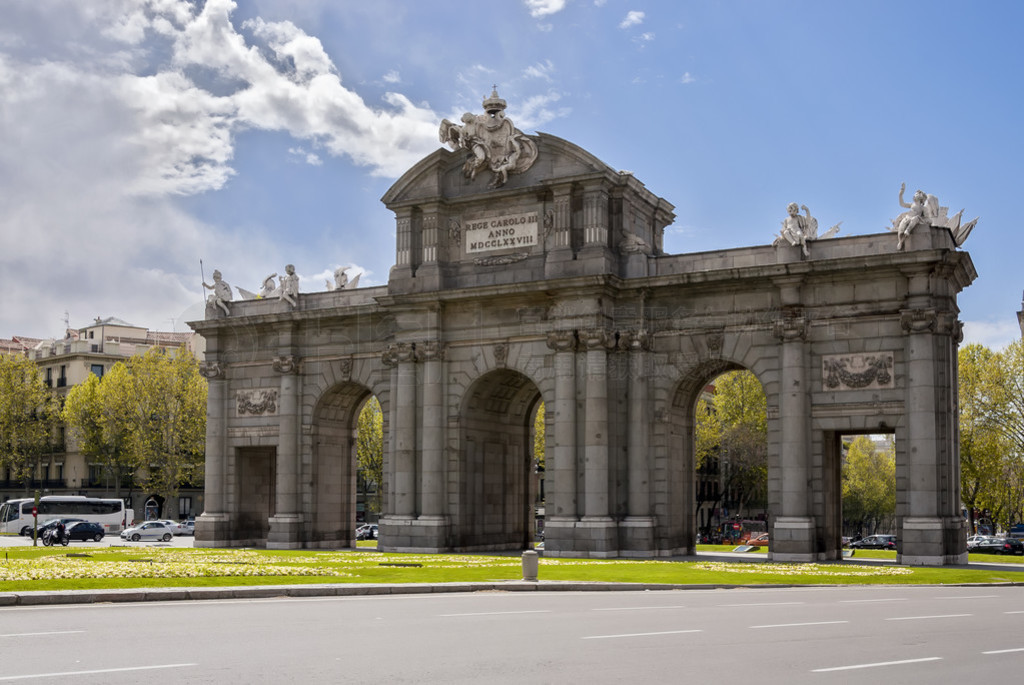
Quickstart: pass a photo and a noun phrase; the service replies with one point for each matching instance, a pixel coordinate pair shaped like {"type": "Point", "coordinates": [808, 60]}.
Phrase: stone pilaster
{"type": "Point", "coordinates": [404, 451]}
{"type": "Point", "coordinates": [213, 525]}
{"type": "Point", "coordinates": [286, 521]}
{"type": "Point", "coordinates": [560, 468]}
{"type": "Point", "coordinates": [638, 528]}
{"type": "Point", "coordinates": [432, 473]}
{"type": "Point", "coordinates": [596, 532]}
{"type": "Point", "coordinates": [793, 536]}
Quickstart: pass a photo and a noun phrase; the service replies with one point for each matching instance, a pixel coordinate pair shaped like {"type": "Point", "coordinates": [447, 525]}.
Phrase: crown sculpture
{"type": "Point", "coordinates": [491, 141]}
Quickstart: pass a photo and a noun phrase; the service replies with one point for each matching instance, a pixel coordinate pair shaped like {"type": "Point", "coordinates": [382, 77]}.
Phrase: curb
{"type": "Point", "coordinates": [24, 599]}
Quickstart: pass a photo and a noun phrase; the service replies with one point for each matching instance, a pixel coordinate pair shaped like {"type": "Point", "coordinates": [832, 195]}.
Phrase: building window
{"type": "Point", "coordinates": [62, 381]}
{"type": "Point", "coordinates": [184, 507]}
{"type": "Point", "coordinates": [91, 334]}
{"type": "Point", "coordinates": [97, 369]}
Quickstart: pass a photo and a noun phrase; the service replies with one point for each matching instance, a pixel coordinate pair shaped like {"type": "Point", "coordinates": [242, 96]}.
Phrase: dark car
{"type": "Point", "coordinates": [86, 530]}
{"type": "Point", "coordinates": [875, 542]}
{"type": "Point", "coordinates": [999, 546]}
{"type": "Point", "coordinates": [52, 523]}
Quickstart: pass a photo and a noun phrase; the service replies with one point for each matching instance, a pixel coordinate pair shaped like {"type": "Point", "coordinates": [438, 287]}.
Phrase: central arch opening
{"type": "Point", "coordinates": [498, 469]}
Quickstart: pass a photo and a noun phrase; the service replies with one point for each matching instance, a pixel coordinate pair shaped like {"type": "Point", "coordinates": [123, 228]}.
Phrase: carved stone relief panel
{"type": "Point", "coordinates": [256, 402]}
{"type": "Point", "coordinates": [857, 371]}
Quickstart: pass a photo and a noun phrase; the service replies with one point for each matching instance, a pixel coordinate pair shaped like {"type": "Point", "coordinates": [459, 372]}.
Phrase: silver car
{"type": "Point", "coordinates": [150, 530]}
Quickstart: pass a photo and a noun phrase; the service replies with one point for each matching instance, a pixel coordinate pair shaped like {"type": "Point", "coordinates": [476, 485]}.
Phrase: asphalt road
{"type": "Point", "coordinates": [806, 635]}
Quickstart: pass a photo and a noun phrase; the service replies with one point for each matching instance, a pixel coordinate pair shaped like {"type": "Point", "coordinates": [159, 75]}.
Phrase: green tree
{"type": "Point", "coordinates": [732, 427]}
{"type": "Point", "coordinates": [98, 415]}
{"type": "Point", "coordinates": [538, 437]}
{"type": "Point", "coordinates": [370, 453]}
{"type": "Point", "coordinates": [1005, 411]}
{"type": "Point", "coordinates": [983, 445]}
{"type": "Point", "coordinates": [147, 414]}
{"type": "Point", "coordinates": [28, 418]}
{"type": "Point", "coordinates": [168, 403]}
{"type": "Point", "coordinates": [869, 486]}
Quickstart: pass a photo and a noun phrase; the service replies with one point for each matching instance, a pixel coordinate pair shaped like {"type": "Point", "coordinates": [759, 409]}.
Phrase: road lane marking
{"type": "Point", "coordinates": [864, 601]}
{"type": "Point", "coordinates": [1013, 612]}
{"type": "Point", "coordinates": [664, 632]}
{"type": "Point", "coordinates": [794, 625]}
{"type": "Point", "coordinates": [1005, 651]}
{"type": "Point", "coordinates": [876, 664]}
{"type": "Point", "coordinates": [498, 613]}
{"type": "Point", "coordinates": [97, 671]}
{"type": "Point", "coordinates": [678, 606]}
{"type": "Point", "coordinates": [919, 618]}
{"type": "Point", "coordinates": [762, 604]}
{"type": "Point", "coordinates": [969, 597]}
{"type": "Point", "coordinates": [52, 632]}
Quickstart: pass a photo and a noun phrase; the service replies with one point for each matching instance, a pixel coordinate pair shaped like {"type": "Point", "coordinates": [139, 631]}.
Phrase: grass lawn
{"type": "Point", "coordinates": [24, 569]}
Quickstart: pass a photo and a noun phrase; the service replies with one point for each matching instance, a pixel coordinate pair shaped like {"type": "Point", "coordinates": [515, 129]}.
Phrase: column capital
{"type": "Point", "coordinates": [286, 364]}
{"type": "Point", "coordinates": [562, 341]}
{"type": "Point", "coordinates": [791, 328]}
{"type": "Point", "coordinates": [212, 370]}
{"type": "Point", "coordinates": [597, 339]}
{"type": "Point", "coordinates": [635, 341]}
{"type": "Point", "coordinates": [430, 350]}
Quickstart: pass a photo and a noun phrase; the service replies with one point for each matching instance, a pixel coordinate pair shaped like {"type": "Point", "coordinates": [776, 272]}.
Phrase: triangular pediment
{"type": "Point", "coordinates": [440, 176]}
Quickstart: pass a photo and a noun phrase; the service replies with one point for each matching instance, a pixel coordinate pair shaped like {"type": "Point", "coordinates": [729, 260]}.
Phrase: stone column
{"type": "Point", "coordinates": [931, 529]}
{"type": "Point", "coordinates": [639, 524]}
{"type": "Point", "coordinates": [212, 526]}
{"type": "Point", "coordinates": [793, 538]}
{"type": "Point", "coordinates": [432, 473]}
{"type": "Point", "coordinates": [405, 432]}
{"type": "Point", "coordinates": [560, 503]}
{"type": "Point", "coordinates": [286, 522]}
{"type": "Point", "coordinates": [599, 529]}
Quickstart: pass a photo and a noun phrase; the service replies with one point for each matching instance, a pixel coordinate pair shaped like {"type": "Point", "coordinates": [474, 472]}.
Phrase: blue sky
{"type": "Point", "coordinates": [140, 137]}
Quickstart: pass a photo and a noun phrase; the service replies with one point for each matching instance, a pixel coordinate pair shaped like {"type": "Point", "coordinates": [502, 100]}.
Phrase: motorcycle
{"type": "Point", "coordinates": [53, 537]}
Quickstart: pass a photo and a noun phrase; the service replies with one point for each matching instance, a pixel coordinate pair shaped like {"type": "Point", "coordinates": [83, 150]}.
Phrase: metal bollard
{"type": "Point", "coordinates": [530, 565]}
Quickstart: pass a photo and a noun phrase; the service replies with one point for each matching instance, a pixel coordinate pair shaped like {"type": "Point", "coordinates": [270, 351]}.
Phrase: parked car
{"type": "Point", "coordinates": [999, 546]}
{"type": "Point", "coordinates": [150, 530]}
{"type": "Point", "coordinates": [975, 539]}
{"type": "Point", "coordinates": [86, 530]}
{"type": "Point", "coordinates": [760, 540]}
{"type": "Point", "coordinates": [367, 531]}
{"type": "Point", "coordinates": [172, 526]}
{"type": "Point", "coordinates": [875, 542]}
{"type": "Point", "coordinates": [187, 527]}
{"type": "Point", "coordinates": [52, 523]}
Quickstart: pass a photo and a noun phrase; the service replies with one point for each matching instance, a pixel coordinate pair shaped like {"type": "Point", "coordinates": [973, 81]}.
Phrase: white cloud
{"type": "Point", "coordinates": [687, 78]}
{"type": "Point", "coordinates": [540, 8]}
{"type": "Point", "coordinates": [160, 90]}
{"type": "Point", "coordinates": [392, 77]}
{"type": "Point", "coordinates": [540, 70]}
{"type": "Point", "coordinates": [647, 36]}
{"type": "Point", "coordinates": [633, 17]}
{"type": "Point", "coordinates": [992, 334]}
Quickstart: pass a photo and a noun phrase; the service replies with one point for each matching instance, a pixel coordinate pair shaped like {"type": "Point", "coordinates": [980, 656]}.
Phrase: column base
{"type": "Point", "coordinates": [422, 535]}
{"type": "Point", "coordinates": [636, 536]}
{"type": "Point", "coordinates": [932, 541]}
{"type": "Point", "coordinates": [213, 530]}
{"type": "Point", "coordinates": [792, 539]}
{"type": "Point", "coordinates": [285, 532]}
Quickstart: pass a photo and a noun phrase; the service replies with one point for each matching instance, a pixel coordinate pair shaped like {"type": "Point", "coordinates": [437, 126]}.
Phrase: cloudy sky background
{"type": "Point", "coordinates": [138, 137]}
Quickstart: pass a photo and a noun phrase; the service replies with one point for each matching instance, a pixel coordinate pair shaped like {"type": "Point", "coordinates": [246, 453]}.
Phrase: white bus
{"type": "Point", "coordinates": [16, 514]}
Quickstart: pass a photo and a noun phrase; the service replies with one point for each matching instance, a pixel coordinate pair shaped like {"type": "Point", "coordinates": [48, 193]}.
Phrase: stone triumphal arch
{"type": "Point", "coordinates": [527, 270]}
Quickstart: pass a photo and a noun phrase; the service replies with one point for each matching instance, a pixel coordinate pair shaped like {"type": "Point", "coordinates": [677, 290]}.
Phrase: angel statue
{"type": "Point", "coordinates": [798, 230]}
